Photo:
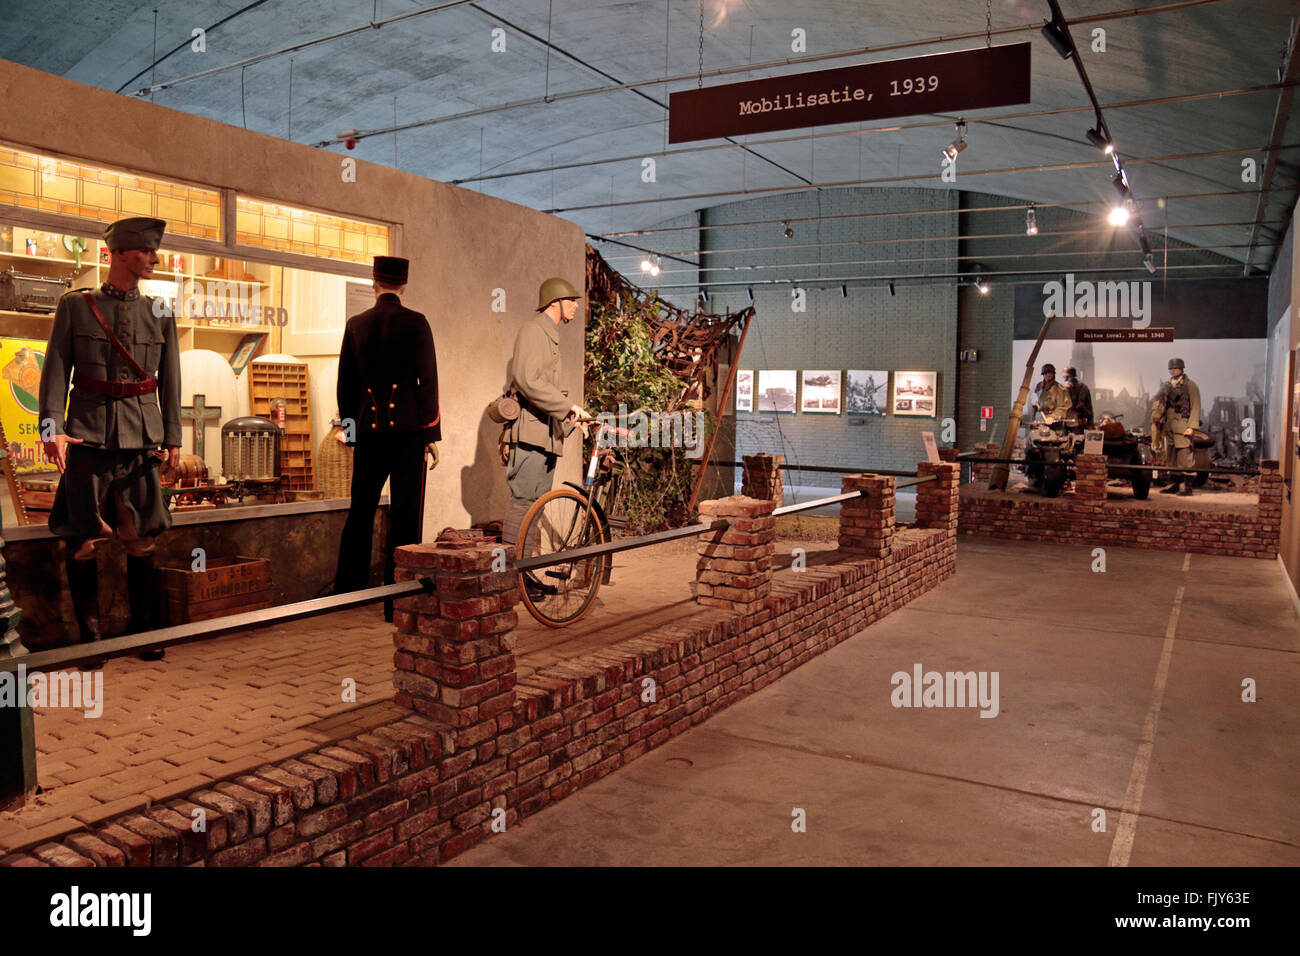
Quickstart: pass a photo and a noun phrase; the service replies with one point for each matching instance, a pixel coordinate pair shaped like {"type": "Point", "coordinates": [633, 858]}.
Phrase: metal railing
{"type": "Point", "coordinates": [973, 458]}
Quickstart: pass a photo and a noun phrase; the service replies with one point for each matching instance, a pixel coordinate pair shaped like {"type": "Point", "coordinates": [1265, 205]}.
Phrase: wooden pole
{"type": "Point", "coordinates": [722, 405]}
{"type": "Point", "coordinates": [1001, 472]}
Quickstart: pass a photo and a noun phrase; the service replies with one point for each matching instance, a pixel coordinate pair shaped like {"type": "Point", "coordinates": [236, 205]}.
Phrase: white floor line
{"type": "Point", "coordinates": [1122, 847]}
{"type": "Point", "coordinates": [1187, 561]}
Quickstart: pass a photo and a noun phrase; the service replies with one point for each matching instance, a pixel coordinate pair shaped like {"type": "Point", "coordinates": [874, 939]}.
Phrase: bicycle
{"type": "Point", "coordinates": [565, 519]}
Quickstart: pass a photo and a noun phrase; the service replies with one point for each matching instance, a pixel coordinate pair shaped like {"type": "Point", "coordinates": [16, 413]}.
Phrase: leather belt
{"type": "Point", "coordinates": [113, 389]}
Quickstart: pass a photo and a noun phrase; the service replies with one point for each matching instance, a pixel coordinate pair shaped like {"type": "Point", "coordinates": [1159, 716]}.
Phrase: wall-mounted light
{"type": "Point", "coordinates": [844, 290]}
{"type": "Point", "coordinates": [704, 297]}
{"type": "Point", "coordinates": [750, 293]}
{"type": "Point", "coordinates": [891, 287]}
{"type": "Point", "coordinates": [1059, 37]}
{"type": "Point", "coordinates": [1149, 261]}
{"type": "Point", "coordinates": [1031, 222]}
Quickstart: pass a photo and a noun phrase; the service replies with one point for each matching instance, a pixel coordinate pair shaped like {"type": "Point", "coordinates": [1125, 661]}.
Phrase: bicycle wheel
{"type": "Point", "coordinates": [560, 521]}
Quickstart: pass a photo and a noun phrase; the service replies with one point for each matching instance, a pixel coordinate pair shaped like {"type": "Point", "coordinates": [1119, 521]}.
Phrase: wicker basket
{"type": "Point", "coordinates": [334, 465]}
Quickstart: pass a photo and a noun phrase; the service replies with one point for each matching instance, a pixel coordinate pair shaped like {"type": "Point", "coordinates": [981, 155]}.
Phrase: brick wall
{"type": "Point", "coordinates": [479, 749]}
{"type": "Point", "coordinates": [1086, 518]}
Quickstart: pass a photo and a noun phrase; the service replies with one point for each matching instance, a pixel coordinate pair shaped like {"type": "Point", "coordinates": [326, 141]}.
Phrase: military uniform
{"type": "Point", "coordinates": [1182, 411]}
{"type": "Point", "coordinates": [1080, 403]}
{"type": "Point", "coordinates": [537, 436]}
{"type": "Point", "coordinates": [111, 483]}
{"type": "Point", "coordinates": [388, 387]}
{"type": "Point", "coordinates": [1054, 401]}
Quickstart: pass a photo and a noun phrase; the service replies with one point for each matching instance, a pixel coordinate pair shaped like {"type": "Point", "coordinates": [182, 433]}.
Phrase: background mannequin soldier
{"type": "Point", "coordinates": [125, 404]}
{"type": "Point", "coordinates": [1080, 399]}
{"type": "Point", "coordinates": [1051, 396]}
{"type": "Point", "coordinates": [388, 394]}
{"type": "Point", "coordinates": [546, 416]}
{"type": "Point", "coordinates": [1182, 414]}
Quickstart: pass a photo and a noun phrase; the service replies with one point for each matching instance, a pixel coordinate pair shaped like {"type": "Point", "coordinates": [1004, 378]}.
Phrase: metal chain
{"type": "Point", "coordinates": [988, 24]}
{"type": "Point", "coordinates": [701, 84]}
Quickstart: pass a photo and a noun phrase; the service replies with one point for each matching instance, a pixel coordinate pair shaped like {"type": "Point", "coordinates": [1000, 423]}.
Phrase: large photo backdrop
{"type": "Point", "coordinates": [1219, 330]}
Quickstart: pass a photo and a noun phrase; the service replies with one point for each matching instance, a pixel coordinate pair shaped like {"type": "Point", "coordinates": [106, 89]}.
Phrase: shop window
{"type": "Point", "coordinates": [256, 339]}
{"type": "Point", "coordinates": [47, 184]}
{"type": "Point", "coordinates": [268, 225]}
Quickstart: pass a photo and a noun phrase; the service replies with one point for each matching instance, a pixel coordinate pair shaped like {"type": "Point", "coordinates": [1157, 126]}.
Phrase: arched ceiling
{"type": "Point", "coordinates": [581, 156]}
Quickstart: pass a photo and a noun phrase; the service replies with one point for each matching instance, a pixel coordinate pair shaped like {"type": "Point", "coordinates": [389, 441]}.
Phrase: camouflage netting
{"type": "Point", "coordinates": [687, 343]}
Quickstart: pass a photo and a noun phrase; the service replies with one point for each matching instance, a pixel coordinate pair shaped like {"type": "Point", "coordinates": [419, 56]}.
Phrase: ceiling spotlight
{"type": "Point", "coordinates": [704, 297]}
{"type": "Point", "coordinates": [983, 287]}
{"type": "Point", "coordinates": [957, 145]}
{"type": "Point", "coordinates": [1149, 261]}
{"type": "Point", "coordinates": [844, 290]}
{"type": "Point", "coordinates": [656, 265]}
{"type": "Point", "coordinates": [1099, 140]}
{"type": "Point", "coordinates": [789, 233]}
{"type": "Point", "coordinates": [1059, 37]}
{"type": "Point", "coordinates": [645, 264]}
{"type": "Point", "coordinates": [750, 292]}
{"type": "Point", "coordinates": [1118, 215]}
{"type": "Point", "coordinates": [1031, 222]}
{"type": "Point", "coordinates": [891, 287]}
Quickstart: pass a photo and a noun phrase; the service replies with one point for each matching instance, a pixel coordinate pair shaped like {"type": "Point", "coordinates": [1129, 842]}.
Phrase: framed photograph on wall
{"type": "Point", "coordinates": [915, 393]}
{"type": "Point", "coordinates": [821, 391]}
{"type": "Point", "coordinates": [867, 393]}
{"type": "Point", "coordinates": [745, 390]}
{"type": "Point", "coordinates": [776, 390]}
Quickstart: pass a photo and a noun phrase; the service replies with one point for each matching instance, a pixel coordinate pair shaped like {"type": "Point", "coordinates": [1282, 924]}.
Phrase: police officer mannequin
{"type": "Point", "coordinates": [388, 395]}
{"type": "Point", "coordinates": [546, 416]}
{"type": "Point", "coordinates": [1182, 415]}
{"type": "Point", "coordinates": [1052, 398]}
{"type": "Point", "coordinates": [123, 421]}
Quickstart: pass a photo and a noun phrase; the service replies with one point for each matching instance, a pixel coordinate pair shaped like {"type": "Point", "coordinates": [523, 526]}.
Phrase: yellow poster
{"type": "Point", "coordinates": [20, 380]}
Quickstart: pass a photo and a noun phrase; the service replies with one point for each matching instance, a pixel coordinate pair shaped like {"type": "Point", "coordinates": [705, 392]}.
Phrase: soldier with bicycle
{"type": "Point", "coordinates": [546, 415]}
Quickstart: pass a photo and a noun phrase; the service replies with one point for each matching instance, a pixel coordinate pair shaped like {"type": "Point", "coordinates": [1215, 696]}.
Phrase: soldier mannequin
{"type": "Point", "coordinates": [388, 393]}
{"type": "Point", "coordinates": [1182, 414]}
{"type": "Point", "coordinates": [1052, 398]}
{"type": "Point", "coordinates": [120, 426]}
{"type": "Point", "coordinates": [546, 416]}
{"type": "Point", "coordinates": [1080, 399]}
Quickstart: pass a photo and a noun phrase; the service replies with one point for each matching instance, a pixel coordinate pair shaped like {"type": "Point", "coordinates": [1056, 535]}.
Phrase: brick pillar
{"type": "Point", "coordinates": [980, 472]}
{"type": "Point", "coordinates": [947, 453]}
{"type": "Point", "coordinates": [734, 571]}
{"type": "Point", "coordinates": [764, 478]}
{"type": "Point", "coordinates": [454, 656]}
{"type": "Point", "coordinates": [867, 523]}
{"type": "Point", "coordinates": [1090, 477]}
{"type": "Point", "coordinates": [1270, 501]}
{"type": "Point", "coordinates": [937, 501]}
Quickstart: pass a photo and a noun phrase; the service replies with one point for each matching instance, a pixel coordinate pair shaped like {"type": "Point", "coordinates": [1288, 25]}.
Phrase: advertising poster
{"type": "Point", "coordinates": [21, 361]}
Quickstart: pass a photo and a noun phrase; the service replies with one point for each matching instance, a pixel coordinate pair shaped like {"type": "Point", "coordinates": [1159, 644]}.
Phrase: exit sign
{"type": "Point", "coordinates": [986, 411]}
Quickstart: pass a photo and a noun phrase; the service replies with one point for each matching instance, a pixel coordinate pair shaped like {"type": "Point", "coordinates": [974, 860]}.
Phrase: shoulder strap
{"type": "Point", "coordinates": [118, 346]}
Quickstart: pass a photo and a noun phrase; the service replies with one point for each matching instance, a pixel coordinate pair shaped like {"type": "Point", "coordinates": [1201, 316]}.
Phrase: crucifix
{"type": "Point", "coordinates": [200, 415]}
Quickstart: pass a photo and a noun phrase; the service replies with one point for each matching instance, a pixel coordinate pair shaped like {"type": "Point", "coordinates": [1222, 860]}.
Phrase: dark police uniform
{"type": "Point", "coordinates": [111, 485]}
{"type": "Point", "coordinates": [387, 386]}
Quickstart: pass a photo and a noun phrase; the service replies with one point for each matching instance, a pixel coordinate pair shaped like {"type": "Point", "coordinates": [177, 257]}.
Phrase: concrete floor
{"type": "Point", "coordinates": [1119, 691]}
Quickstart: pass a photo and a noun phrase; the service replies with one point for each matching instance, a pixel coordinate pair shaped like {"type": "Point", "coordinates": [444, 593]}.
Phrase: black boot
{"type": "Point", "coordinates": [83, 586]}
{"type": "Point", "coordinates": [142, 591]}
{"type": "Point", "coordinates": [1172, 488]}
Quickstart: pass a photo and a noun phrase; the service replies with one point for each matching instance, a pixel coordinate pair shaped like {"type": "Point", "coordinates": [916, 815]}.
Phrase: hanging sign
{"type": "Point", "coordinates": [919, 85]}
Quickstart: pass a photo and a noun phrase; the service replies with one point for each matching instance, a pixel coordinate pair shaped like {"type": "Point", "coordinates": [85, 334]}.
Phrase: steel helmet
{"type": "Point", "coordinates": [553, 289]}
{"type": "Point", "coordinates": [1177, 363]}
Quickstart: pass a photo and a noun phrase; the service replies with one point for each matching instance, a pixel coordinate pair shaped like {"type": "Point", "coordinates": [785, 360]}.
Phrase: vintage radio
{"type": "Point", "coordinates": [250, 449]}
{"type": "Point", "coordinates": [24, 293]}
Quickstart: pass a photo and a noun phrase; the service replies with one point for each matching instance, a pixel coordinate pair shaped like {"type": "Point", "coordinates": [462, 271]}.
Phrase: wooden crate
{"type": "Point", "coordinates": [227, 586]}
{"type": "Point", "coordinates": [275, 384]}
